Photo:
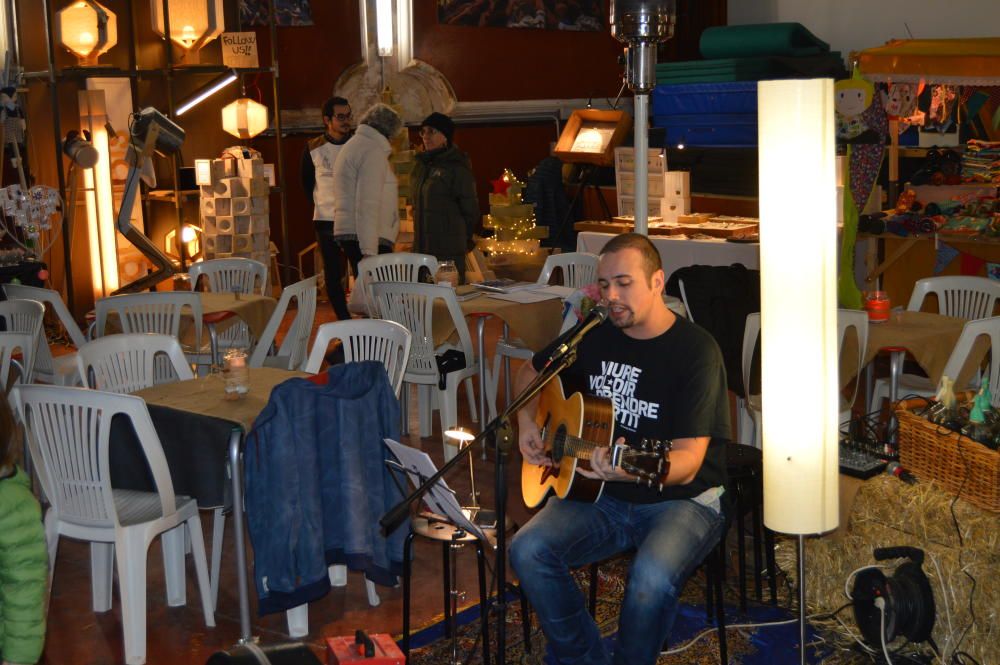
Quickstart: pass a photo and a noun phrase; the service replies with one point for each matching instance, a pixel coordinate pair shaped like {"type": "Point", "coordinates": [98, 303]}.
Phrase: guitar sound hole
{"type": "Point", "coordinates": [558, 443]}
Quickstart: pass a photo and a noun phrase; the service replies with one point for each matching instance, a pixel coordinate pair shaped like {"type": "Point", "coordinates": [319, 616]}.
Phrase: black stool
{"type": "Point", "coordinates": [745, 469]}
{"type": "Point", "coordinates": [450, 536]}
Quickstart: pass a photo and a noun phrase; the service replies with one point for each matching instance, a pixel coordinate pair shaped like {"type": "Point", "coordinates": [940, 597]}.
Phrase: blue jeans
{"type": "Point", "coordinates": [671, 539]}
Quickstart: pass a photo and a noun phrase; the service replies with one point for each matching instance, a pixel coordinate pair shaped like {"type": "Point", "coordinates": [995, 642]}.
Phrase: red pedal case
{"type": "Point", "coordinates": [380, 647]}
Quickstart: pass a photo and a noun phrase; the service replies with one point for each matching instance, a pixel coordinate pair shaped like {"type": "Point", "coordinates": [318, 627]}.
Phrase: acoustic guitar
{"type": "Point", "coordinates": [571, 429]}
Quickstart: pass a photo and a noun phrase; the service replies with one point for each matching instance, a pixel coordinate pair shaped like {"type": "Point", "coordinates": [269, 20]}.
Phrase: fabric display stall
{"type": "Point", "coordinates": [939, 87]}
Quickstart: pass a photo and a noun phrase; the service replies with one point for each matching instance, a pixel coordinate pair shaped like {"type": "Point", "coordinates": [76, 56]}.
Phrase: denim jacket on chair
{"type": "Point", "coordinates": [316, 484]}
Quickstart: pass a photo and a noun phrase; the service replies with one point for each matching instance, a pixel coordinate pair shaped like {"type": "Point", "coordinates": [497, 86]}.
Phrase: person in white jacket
{"type": "Point", "coordinates": [366, 193]}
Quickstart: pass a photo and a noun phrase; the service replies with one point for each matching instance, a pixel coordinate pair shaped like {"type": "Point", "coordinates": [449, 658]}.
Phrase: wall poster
{"type": "Point", "coordinates": [287, 12]}
{"type": "Point", "coordinates": [578, 15]}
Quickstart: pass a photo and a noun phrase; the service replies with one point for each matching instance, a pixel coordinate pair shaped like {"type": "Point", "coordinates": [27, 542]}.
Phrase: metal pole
{"type": "Point", "coordinates": [802, 599]}
{"type": "Point", "coordinates": [57, 133]}
{"type": "Point", "coordinates": [285, 244]}
{"type": "Point", "coordinates": [174, 164]}
{"type": "Point", "coordinates": [236, 468]}
{"type": "Point", "coordinates": [641, 167]}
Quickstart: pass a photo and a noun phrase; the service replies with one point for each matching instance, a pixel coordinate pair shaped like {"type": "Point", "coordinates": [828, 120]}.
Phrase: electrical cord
{"type": "Point", "coordinates": [880, 604]}
{"type": "Point", "coordinates": [947, 610]}
{"type": "Point", "coordinates": [961, 539]}
{"type": "Point", "coordinates": [763, 624]}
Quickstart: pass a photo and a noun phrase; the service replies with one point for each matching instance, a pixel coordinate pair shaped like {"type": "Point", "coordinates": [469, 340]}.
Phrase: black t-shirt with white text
{"type": "Point", "coordinates": [672, 386]}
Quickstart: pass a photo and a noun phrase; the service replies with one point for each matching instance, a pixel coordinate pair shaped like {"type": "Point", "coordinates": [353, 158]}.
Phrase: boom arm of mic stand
{"type": "Point", "coordinates": [392, 519]}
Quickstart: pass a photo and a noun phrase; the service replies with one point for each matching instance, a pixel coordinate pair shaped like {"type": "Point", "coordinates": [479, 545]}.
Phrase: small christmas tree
{"type": "Point", "coordinates": [511, 220]}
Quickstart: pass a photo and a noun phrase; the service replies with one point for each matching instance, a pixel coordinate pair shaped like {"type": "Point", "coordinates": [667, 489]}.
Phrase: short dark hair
{"type": "Point", "coordinates": [651, 261]}
{"type": "Point", "coordinates": [330, 103]}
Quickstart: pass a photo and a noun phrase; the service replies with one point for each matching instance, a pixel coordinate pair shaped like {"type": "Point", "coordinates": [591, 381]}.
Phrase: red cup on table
{"type": "Point", "coordinates": [877, 305]}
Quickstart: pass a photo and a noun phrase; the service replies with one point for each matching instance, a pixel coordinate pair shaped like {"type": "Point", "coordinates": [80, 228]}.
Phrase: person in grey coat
{"type": "Point", "coordinates": [445, 205]}
{"type": "Point", "coordinates": [366, 192]}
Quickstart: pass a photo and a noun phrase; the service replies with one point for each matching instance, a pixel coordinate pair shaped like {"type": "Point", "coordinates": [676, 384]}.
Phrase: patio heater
{"type": "Point", "coordinates": [641, 25]}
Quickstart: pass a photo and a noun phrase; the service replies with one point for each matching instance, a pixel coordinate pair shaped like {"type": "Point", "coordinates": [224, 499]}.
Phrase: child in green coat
{"type": "Point", "coordinates": [23, 556]}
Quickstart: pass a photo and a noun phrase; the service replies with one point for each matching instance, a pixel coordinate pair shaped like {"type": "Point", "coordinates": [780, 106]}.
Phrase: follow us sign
{"type": "Point", "coordinates": [239, 50]}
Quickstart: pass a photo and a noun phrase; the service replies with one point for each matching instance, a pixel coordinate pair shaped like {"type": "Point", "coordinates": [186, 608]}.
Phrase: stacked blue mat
{"type": "Point", "coordinates": [713, 102]}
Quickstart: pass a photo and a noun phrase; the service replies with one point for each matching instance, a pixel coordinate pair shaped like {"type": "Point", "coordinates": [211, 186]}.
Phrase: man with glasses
{"type": "Point", "coordinates": [317, 179]}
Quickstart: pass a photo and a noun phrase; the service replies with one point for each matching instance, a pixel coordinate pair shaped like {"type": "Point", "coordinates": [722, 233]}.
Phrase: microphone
{"type": "Point", "coordinates": [572, 337]}
{"type": "Point", "coordinates": [894, 469]}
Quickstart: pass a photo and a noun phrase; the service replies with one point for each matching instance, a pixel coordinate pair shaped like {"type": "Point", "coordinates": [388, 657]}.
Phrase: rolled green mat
{"type": "Point", "coordinates": [737, 41]}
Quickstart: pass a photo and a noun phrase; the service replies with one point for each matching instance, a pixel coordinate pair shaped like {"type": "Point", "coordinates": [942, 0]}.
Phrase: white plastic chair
{"type": "Point", "coordinates": [57, 370]}
{"type": "Point", "coordinates": [846, 318]}
{"type": "Point", "coordinates": [128, 363]}
{"type": "Point", "coordinates": [365, 339]}
{"type": "Point", "coordinates": [960, 296]}
{"type": "Point", "coordinates": [921, 385]}
{"type": "Point", "coordinates": [578, 269]}
{"type": "Point", "coordinates": [412, 306]}
{"type": "Point", "coordinates": [395, 267]}
{"type": "Point", "coordinates": [749, 414]}
{"type": "Point", "coordinates": [231, 275]}
{"type": "Point", "coordinates": [26, 316]}
{"type": "Point", "coordinates": [964, 297]}
{"type": "Point", "coordinates": [69, 432]}
{"type": "Point", "coordinates": [362, 339]}
{"type": "Point", "coordinates": [295, 345]}
{"type": "Point", "coordinates": [23, 316]}
{"type": "Point", "coordinates": [857, 320]}
{"type": "Point", "coordinates": [156, 312]}
{"type": "Point", "coordinates": [13, 344]}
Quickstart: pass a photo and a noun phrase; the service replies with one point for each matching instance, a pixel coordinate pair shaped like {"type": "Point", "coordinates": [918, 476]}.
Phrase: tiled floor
{"type": "Point", "coordinates": [176, 636]}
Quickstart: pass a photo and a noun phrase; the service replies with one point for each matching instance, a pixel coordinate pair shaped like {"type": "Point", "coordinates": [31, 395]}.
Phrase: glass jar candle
{"type": "Point", "coordinates": [447, 274]}
{"type": "Point", "coordinates": [236, 372]}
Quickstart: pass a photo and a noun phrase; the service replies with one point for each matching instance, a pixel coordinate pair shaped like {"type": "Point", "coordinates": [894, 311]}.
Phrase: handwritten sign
{"type": "Point", "coordinates": [239, 50]}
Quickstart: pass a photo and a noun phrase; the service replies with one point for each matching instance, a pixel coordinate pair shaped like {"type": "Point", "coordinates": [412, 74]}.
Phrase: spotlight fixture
{"type": "Point", "coordinates": [80, 150]}
{"type": "Point", "coordinates": [206, 91]}
{"type": "Point", "coordinates": [169, 136]}
{"type": "Point", "coordinates": [901, 604]}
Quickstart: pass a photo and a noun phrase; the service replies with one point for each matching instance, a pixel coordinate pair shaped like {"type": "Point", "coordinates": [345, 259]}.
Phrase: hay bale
{"type": "Point", "coordinates": [889, 513]}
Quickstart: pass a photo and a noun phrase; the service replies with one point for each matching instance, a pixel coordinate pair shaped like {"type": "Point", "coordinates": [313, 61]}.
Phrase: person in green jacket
{"type": "Point", "coordinates": [23, 555]}
{"type": "Point", "coordinates": [445, 205]}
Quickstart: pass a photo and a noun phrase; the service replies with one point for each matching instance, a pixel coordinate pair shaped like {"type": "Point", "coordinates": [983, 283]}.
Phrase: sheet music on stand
{"type": "Point", "coordinates": [440, 498]}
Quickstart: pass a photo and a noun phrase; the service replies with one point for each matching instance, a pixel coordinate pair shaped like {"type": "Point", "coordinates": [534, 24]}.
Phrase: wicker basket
{"type": "Point", "coordinates": [958, 464]}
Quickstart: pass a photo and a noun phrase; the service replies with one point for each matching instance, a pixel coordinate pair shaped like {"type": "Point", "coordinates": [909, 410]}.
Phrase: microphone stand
{"type": "Point", "coordinates": [499, 432]}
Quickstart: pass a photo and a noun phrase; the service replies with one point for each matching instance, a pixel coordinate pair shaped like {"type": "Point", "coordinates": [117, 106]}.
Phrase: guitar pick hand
{"type": "Point", "coordinates": [530, 442]}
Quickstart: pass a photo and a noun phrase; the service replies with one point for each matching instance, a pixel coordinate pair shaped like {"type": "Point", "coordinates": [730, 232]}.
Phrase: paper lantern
{"type": "Point", "coordinates": [244, 118]}
{"type": "Point", "coordinates": [193, 23]}
{"type": "Point", "coordinates": [87, 29]}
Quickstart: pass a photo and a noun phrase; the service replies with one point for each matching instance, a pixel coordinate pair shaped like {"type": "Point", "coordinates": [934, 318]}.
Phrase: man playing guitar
{"type": "Point", "coordinates": [667, 381]}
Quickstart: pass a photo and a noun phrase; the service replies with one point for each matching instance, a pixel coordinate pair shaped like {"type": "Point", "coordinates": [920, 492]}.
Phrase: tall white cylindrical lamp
{"type": "Point", "coordinates": [798, 258]}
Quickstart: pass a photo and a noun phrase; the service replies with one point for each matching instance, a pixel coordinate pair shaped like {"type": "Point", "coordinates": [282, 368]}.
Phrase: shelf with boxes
{"type": "Point", "coordinates": [669, 192]}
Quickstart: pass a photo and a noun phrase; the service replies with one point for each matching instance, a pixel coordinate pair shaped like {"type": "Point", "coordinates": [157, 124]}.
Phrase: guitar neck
{"type": "Point", "coordinates": [579, 448]}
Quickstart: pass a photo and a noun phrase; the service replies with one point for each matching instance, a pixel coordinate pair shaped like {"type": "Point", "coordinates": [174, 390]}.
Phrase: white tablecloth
{"type": "Point", "coordinates": [681, 253]}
